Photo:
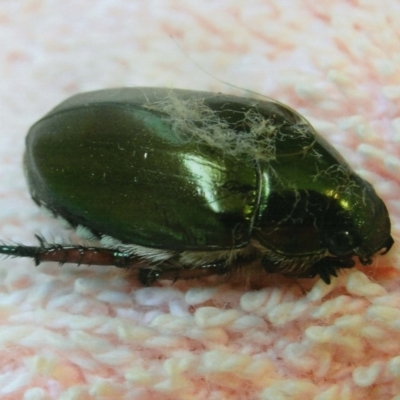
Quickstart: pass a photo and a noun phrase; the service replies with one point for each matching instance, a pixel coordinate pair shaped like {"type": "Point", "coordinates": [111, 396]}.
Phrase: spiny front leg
{"type": "Point", "coordinates": [328, 267]}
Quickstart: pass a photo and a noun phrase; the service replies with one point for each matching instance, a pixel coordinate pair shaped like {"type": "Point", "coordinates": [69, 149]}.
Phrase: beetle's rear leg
{"type": "Point", "coordinates": [76, 254]}
{"type": "Point", "coordinates": [73, 254]}
{"type": "Point", "coordinates": [147, 276]}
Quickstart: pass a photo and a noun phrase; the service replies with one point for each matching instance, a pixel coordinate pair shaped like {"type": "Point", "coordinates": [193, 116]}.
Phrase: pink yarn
{"type": "Point", "coordinates": [90, 333]}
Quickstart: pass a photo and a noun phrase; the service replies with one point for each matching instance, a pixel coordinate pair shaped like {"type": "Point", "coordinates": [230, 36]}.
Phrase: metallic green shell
{"type": "Point", "coordinates": [183, 170]}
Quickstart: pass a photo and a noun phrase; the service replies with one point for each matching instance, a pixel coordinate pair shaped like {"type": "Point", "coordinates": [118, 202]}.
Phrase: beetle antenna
{"type": "Point", "coordinates": [215, 77]}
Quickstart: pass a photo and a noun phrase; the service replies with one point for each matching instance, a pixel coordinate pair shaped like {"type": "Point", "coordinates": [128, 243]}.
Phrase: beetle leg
{"type": "Point", "coordinates": [71, 254]}
{"type": "Point", "coordinates": [148, 276]}
{"type": "Point", "coordinates": [327, 267]}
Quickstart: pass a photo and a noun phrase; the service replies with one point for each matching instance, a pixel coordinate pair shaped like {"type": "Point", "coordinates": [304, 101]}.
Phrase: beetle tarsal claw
{"type": "Point", "coordinates": [325, 275]}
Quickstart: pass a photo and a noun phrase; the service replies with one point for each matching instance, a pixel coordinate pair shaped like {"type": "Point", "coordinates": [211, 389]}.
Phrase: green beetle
{"type": "Point", "coordinates": [183, 184]}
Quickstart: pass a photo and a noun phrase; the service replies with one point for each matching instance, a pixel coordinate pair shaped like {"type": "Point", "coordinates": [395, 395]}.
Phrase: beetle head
{"type": "Point", "coordinates": [371, 224]}
{"type": "Point", "coordinates": [303, 227]}
{"type": "Point", "coordinates": [357, 223]}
